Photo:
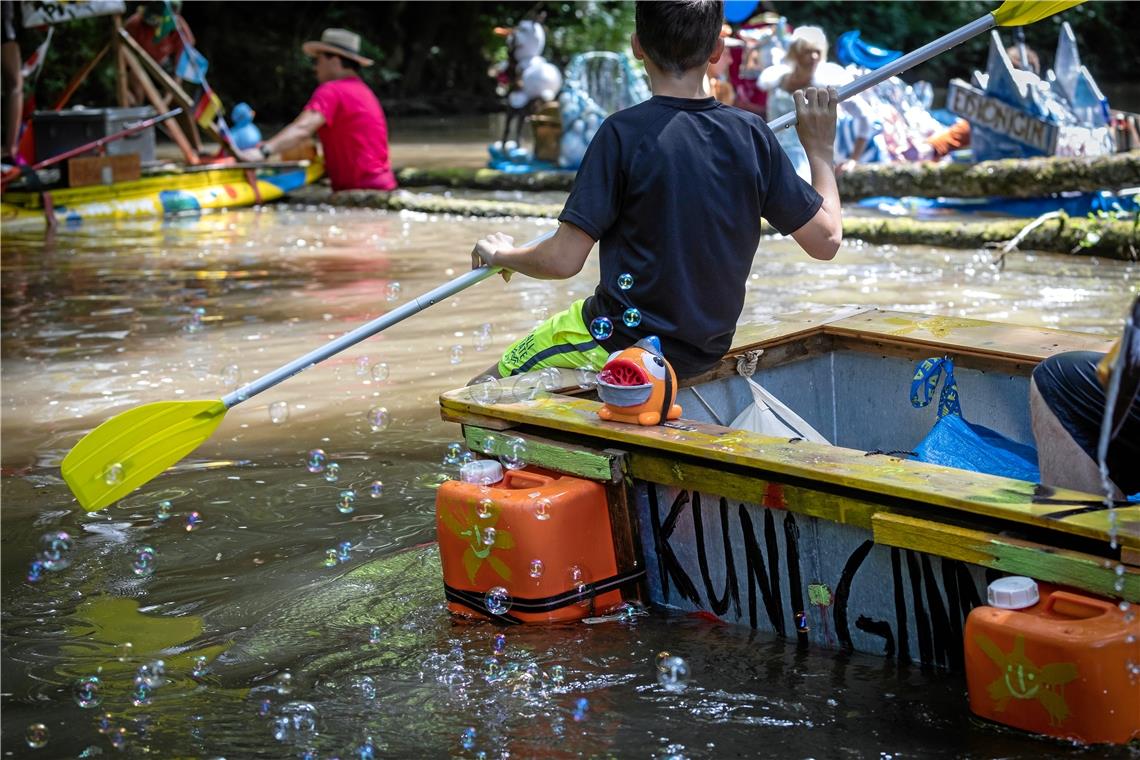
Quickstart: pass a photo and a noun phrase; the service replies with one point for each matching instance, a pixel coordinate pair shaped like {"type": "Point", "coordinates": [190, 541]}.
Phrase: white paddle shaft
{"type": "Point", "coordinates": [349, 339]}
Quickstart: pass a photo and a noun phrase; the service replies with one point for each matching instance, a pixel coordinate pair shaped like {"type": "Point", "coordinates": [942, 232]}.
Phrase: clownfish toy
{"type": "Point", "coordinates": [638, 386]}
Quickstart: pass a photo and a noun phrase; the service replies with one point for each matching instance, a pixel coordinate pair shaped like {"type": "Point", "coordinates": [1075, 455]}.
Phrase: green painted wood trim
{"type": "Point", "coordinates": [1043, 563]}
{"type": "Point", "coordinates": [752, 489]}
{"type": "Point", "coordinates": [568, 458]}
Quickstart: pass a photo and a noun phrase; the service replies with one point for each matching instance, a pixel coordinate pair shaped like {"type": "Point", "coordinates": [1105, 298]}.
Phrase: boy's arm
{"type": "Point", "coordinates": [556, 258]}
{"type": "Point", "coordinates": [815, 123]}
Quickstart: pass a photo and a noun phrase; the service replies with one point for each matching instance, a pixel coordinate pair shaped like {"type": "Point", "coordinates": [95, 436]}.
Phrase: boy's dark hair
{"type": "Point", "coordinates": [679, 35]}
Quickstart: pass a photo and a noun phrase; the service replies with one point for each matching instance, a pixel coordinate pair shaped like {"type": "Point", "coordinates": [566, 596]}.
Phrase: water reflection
{"type": "Point", "coordinates": [96, 321]}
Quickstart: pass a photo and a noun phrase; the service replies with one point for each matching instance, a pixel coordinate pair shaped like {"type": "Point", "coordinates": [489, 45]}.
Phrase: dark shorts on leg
{"type": "Point", "coordinates": [1068, 384]}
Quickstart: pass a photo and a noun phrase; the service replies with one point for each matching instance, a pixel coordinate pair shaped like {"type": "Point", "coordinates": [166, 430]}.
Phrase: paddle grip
{"type": "Point", "coordinates": [899, 65]}
{"type": "Point", "coordinates": [349, 339]}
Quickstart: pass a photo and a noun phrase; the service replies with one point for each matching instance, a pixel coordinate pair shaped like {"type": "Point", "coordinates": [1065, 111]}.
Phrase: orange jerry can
{"type": "Point", "coordinates": [1054, 662]}
{"type": "Point", "coordinates": [536, 547]}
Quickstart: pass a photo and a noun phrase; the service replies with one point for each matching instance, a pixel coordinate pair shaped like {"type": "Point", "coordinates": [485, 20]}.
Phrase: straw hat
{"type": "Point", "coordinates": [337, 42]}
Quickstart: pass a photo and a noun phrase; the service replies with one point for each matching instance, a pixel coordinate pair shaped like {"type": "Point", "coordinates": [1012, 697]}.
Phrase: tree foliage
{"type": "Point", "coordinates": [433, 56]}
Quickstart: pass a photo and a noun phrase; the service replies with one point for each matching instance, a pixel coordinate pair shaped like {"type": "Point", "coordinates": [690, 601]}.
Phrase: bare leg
{"type": "Point", "coordinates": [1063, 463]}
{"type": "Point", "coordinates": [13, 96]}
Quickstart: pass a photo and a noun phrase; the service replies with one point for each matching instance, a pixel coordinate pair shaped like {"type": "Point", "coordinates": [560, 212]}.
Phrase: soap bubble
{"type": "Point", "coordinates": [36, 735]}
{"type": "Point", "coordinates": [231, 375]}
{"type": "Point", "coordinates": [331, 558]}
{"type": "Point", "coordinates": [487, 390]}
{"type": "Point", "coordinates": [376, 490]}
{"type": "Point", "coordinates": [126, 651]}
{"type": "Point", "coordinates": [497, 600]}
{"type": "Point", "coordinates": [392, 292]}
{"type": "Point", "coordinates": [456, 354]}
{"type": "Point", "coordinates": [801, 619]}
{"type": "Point", "coordinates": [347, 501]}
{"type": "Point", "coordinates": [36, 571]}
{"type": "Point", "coordinates": [316, 460]}
{"type": "Point", "coordinates": [278, 412]}
{"type": "Point", "coordinates": [580, 709]}
{"type": "Point", "coordinates": [525, 387]}
{"type": "Point", "coordinates": [195, 322]}
{"type": "Point", "coordinates": [489, 536]}
{"type": "Point", "coordinates": [374, 634]}
{"type": "Point", "coordinates": [119, 737]}
{"type": "Point", "coordinates": [557, 675]}
{"type": "Point", "coordinates": [625, 281]}
{"type": "Point", "coordinates": [514, 457]}
{"type": "Point", "coordinates": [153, 674]}
{"type": "Point", "coordinates": [601, 328]}
{"type": "Point", "coordinates": [55, 550]}
{"type": "Point", "coordinates": [144, 562]}
{"type": "Point", "coordinates": [113, 473]}
{"type": "Point", "coordinates": [332, 472]}
{"type": "Point", "coordinates": [484, 507]}
{"type": "Point", "coordinates": [454, 451]}
{"type": "Point", "coordinates": [297, 721]}
{"type": "Point", "coordinates": [264, 708]}
{"type": "Point", "coordinates": [499, 643]}
{"type": "Point", "coordinates": [283, 683]}
{"type": "Point", "coordinates": [541, 508]}
{"type": "Point", "coordinates": [344, 551]}
{"type": "Point", "coordinates": [492, 669]}
{"type": "Point", "coordinates": [140, 694]}
{"type": "Point", "coordinates": [579, 582]}
{"type": "Point", "coordinates": [380, 372]}
{"type": "Point", "coordinates": [550, 379]}
{"type": "Point", "coordinates": [366, 751]}
{"type": "Point", "coordinates": [379, 419]}
{"type": "Point", "coordinates": [362, 366]}
{"type": "Point", "coordinates": [367, 688]}
{"type": "Point", "coordinates": [105, 724]}
{"type": "Point", "coordinates": [467, 738]}
{"type": "Point", "coordinates": [631, 317]}
{"type": "Point", "coordinates": [193, 520]}
{"type": "Point", "coordinates": [537, 568]}
{"type": "Point", "coordinates": [483, 337]}
{"type": "Point", "coordinates": [165, 509]}
{"type": "Point", "coordinates": [201, 667]}
{"type": "Point", "coordinates": [587, 378]}
{"type": "Point", "coordinates": [88, 692]}
{"type": "Point", "coordinates": [490, 443]}
{"type": "Point", "coordinates": [673, 673]}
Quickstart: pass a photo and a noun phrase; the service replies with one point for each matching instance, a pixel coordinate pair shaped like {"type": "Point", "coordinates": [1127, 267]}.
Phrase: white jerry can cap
{"type": "Point", "coordinates": [479, 471]}
{"type": "Point", "coordinates": [1013, 593]}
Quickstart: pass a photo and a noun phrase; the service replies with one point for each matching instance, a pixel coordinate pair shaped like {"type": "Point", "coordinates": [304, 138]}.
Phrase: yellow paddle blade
{"type": "Point", "coordinates": [131, 448]}
{"type": "Point", "coordinates": [1023, 12]}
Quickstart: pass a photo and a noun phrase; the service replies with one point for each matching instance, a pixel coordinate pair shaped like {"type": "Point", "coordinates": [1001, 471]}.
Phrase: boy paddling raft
{"type": "Point", "coordinates": [673, 190]}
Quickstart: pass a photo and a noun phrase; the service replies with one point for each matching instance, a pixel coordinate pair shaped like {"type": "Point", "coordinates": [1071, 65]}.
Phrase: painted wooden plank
{"type": "Point", "coordinates": [971, 336]}
{"type": "Point", "coordinates": [569, 458]}
{"type": "Point", "coordinates": [1044, 563]}
{"type": "Point", "coordinates": [752, 489]}
{"type": "Point", "coordinates": [876, 478]}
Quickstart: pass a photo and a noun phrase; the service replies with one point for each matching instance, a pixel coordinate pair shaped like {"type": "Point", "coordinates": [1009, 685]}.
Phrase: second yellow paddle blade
{"type": "Point", "coordinates": [131, 448]}
{"type": "Point", "coordinates": [1023, 12]}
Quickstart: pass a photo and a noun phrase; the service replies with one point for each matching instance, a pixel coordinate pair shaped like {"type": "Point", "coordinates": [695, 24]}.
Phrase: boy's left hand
{"type": "Point", "coordinates": [483, 255]}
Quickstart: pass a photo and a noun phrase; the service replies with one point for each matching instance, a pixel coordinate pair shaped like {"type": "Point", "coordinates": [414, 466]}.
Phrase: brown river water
{"type": "Point", "coordinates": [360, 659]}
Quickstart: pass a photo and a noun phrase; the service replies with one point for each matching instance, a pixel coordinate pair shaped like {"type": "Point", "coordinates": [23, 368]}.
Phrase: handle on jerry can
{"type": "Point", "coordinates": [1076, 606]}
{"type": "Point", "coordinates": [522, 479]}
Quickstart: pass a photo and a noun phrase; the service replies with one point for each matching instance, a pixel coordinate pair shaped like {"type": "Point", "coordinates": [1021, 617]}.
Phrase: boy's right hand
{"type": "Point", "coordinates": [815, 120]}
{"type": "Point", "coordinates": [483, 255]}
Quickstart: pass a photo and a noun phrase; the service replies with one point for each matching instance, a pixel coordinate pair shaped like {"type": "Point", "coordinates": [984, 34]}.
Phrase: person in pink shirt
{"type": "Point", "coordinates": [344, 113]}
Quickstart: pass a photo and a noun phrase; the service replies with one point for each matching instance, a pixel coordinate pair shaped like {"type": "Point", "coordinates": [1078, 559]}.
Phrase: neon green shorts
{"type": "Point", "coordinates": [561, 341]}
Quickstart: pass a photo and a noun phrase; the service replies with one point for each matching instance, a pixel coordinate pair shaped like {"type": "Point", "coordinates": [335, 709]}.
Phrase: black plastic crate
{"type": "Point", "coordinates": [60, 131]}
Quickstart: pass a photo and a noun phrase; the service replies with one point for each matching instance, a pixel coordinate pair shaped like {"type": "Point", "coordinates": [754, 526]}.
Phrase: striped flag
{"type": "Point", "coordinates": [207, 109]}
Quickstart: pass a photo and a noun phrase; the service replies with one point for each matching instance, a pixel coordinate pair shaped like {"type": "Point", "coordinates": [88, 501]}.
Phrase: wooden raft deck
{"type": "Point", "coordinates": [908, 503]}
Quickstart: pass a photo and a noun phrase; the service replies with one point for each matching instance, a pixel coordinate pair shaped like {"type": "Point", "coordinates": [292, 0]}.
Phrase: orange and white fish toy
{"type": "Point", "coordinates": [638, 386]}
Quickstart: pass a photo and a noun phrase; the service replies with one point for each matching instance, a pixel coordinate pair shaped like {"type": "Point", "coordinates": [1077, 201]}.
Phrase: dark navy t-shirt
{"type": "Point", "coordinates": [674, 189]}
